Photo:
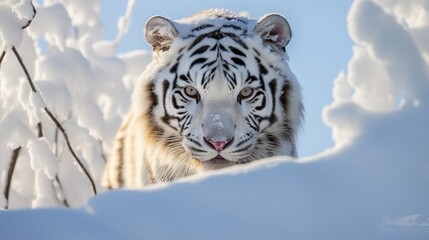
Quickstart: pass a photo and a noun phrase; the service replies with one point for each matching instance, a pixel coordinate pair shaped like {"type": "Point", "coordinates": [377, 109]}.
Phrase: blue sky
{"type": "Point", "coordinates": [319, 50]}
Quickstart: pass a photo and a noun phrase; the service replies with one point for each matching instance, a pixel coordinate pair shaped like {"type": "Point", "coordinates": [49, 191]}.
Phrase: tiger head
{"type": "Point", "coordinates": [221, 91]}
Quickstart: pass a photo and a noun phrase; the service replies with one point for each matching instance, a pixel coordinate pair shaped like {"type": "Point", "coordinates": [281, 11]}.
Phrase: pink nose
{"type": "Point", "coordinates": [219, 145]}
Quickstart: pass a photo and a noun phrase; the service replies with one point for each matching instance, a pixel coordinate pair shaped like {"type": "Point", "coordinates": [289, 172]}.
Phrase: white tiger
{"type": "Point", "coordinates": [218, 92]}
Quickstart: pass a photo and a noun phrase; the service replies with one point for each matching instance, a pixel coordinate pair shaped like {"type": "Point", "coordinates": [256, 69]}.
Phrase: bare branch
{"type": "Point", "coordinates": [56, 122]}
{"type": "Point", "coordinates": [12, 165]}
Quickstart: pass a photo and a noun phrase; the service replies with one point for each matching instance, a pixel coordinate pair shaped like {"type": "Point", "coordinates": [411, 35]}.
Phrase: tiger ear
{"type": "Point", "coordinates": [274, 29]}
{"type": "Point", "coordinates": [160, 33]}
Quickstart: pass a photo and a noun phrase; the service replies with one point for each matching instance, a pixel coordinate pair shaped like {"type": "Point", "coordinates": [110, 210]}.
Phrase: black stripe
{"type": "Point", "coordinates": [198, 61]}
{"type": "Point", "coordinates": [235, 19]}
{"type": "Point", "coordinates": [237, 51]}
{"type": "Point", "coordinates": [197, 150]}
{"type": "Point", "coordinates": [252, 124]}
{"type": "Point", "coordinates": [166, 118]}
{"type": "Point", "coordinates": [232, 26]}
{"type": "Point", "coordinates": [188, 121]}
{"type": "Point", "coordinates": [231, 78]}
{"type": "Point", "coordinates": [173, 69]}
{"type": "Point", "coordinates": [165, 86]}
{"type": "Point", "coordinates": [204, 78]}
{"type": "Point", "coordinates": [273, 140]}
{"type": "Point", "coordinates": [243, 149]}
{"type": "Point", "coordinates": [174, 99]}
{"type": "Point", "coordinates": [238, 61]}
{"type": "Point", "coordinates": [209, 64]}
{"type": "Point", "coordinates": [250, 78]}
{"type": "Point", "coordinates": [184, 78]}
{"type": "Point", "coordinates": [217, 34]}
{"type": "Point", "coordinates": [153, 97]}
{"type": "Point", "coordinates": [255, 97]}
{"type": "Point", "coordinates": [197, 40]}
{"type": "Point", "coordinates": [209, 78]}
{"type": "Point", "coordinates": [195, 142]}
{"type": "Point", "coordinates": [237, 39]}
{"type": "Point", "coordinates": [153, 102]}
{"type": "Point", "coordinates": [222, 48]}
{"type": "Point", "coordinates": [200, 50]}
{"type": "Point", "coordinates": [184, 125]}
{"type": "Point", "coordinates": [232, 81]}
{"type": "Point", "coordinates": [202, 27]}
{"type": "Point", "coordinates": [284, 96]}
{"type": "Point", "coordinates": [264, 102]}
{"type": "Point", "coordinates": [273, 88]}
{"type": "Point", "coordinates": [262, 69]}
{"type": "Point", "coordinates": [244, 141]}
{"type": "Point", "coordinates": [225, 65]}
{"type": "Point", "coordinates": [256, 51]}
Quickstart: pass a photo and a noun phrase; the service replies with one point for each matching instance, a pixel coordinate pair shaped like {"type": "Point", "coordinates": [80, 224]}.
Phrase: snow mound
{"type": "Point", "coordinates": [357, 192]}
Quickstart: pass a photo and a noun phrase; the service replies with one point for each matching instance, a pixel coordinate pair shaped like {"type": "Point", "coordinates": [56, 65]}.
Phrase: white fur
{"type": "Point", "coordinates": [218, 115]}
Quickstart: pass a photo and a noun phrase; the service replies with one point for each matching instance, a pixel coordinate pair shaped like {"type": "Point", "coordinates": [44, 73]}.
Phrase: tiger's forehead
{"type": "Point", "coordinates": [219, 28]}
{"type": "Point", "coordinates": [218, 50]}
{"type": "Point", "coordinates": [221, 60]}
{"type": "Point", "coordinates": [212, 19]}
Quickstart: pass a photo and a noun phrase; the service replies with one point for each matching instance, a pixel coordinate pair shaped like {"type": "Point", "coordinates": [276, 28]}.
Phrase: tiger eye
{"type": "Point", "coordinates": [246, 92]}
{"type": "Point", "coordinates": [191, 92]}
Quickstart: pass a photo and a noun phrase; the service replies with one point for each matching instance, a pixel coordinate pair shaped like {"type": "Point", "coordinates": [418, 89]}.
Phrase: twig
{"type": "Point", "coordinates": [60, 187]}
{"type": "Point", "coordinates": [33, 88]}
{"type": "Point", "coordinates": [103, 156]}
{"type": "Point", "coordinates": [39, 130]}
{"type": "Point", "coordinates": [57, 124]}
{"type": "Point", "coordinates": [2, 56]}
{"type": "Point", "coordinates": [64, 200]}
{"type": "Point", "coordinates": [12, 165]}
{"type": "Point", "coordinates": [34, 15]}
{"type": "Point", "coordinates": [70, 148]}
{"type": "Point", "coordinates": [56, 142]}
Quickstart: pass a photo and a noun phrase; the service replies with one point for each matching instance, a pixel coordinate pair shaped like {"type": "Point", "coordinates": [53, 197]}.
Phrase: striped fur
{"type": "Point", "coordinates": [218, 92]}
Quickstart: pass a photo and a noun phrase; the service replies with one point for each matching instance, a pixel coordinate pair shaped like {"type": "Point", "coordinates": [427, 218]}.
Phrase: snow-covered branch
{"type": "Point", "coordinates": [63, 131]}
{"type": "Point", "coordinates": [53, 118]}
{"type": "Point", "coordinates": [62, 103]}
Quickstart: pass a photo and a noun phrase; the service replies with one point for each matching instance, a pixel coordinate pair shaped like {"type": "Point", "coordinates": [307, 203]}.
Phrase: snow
{"type": "Point", "coordinates": [9, 22]}
{"type": "Point", "coordinates": [373, 184]}
{"type": "Point", "coordinates": [53, 24]}
{"type": "Point", "coordinates": [48, 164]}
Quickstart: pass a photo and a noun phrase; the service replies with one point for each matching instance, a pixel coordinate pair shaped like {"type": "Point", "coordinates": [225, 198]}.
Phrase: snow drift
{"type": "Point", "coordinates": [373, 184]}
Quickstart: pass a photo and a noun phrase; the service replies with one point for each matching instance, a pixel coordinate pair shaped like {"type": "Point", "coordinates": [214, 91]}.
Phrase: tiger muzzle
{"type": "Point", "coordinates": [218, 131]}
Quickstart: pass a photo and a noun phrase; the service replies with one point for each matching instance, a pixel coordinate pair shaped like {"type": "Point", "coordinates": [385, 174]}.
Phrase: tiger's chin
{"type": "Point", "coordinates": [217, 163]}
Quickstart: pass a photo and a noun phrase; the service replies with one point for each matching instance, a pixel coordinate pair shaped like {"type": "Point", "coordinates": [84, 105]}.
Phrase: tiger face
{"type": "Point", "coordinates": [222, 91]}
